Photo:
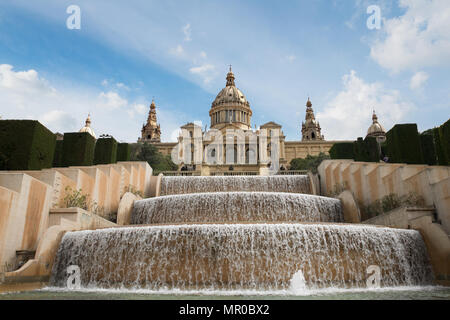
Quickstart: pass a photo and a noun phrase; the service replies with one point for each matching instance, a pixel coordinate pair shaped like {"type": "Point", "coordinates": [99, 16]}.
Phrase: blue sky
{"type": "Point", "coordinates": [178, 52]}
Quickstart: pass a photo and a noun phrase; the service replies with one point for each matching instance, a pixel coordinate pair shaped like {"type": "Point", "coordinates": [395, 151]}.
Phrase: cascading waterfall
{"type": "Point", "coordinates": [184, 185]}
{"type": "Point", "coordinates": [225, 207]}
{"type": "Point", "coordinates": [242, 256]}
{"type": "Point", "coordinates": [241, 233]}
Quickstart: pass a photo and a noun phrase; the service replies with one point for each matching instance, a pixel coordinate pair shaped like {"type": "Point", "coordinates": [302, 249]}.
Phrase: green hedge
{"type": "Point", "coordinates": [78, 149]}
{"type": "Point", "coordinates": [428, 149]}
{"type": "Point", "coordinates": [105, 151]}
{"type": "Point", "coordinates": [403, 144]}
{"type": "Point", "coordinates": [25, 145]}
{"type": "Point", "coordinates": [359, 150]}
{"type": "Point", "coordinates": [366, 150]}
{"type": "Point", "coordinates": [123, 152]}
{"type": "Point", "coordinates": [383, 149]}
{"type": "Point", "coordinates": [342, 150]}
{"type": "Point", "coordinates": [57, 158]}
{"type": "Point", "coordinates": [441, 159]}
{"type": "Point", "coordinates": [444, 133]}
{"type": "Point", "coordinates": [372, 149]}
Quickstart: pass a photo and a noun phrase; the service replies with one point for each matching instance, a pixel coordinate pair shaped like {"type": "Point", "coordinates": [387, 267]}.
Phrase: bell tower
{"type": "Point", "coordinates": [151, 131]}
{"type": "Point", "coordinates": [310, 127]}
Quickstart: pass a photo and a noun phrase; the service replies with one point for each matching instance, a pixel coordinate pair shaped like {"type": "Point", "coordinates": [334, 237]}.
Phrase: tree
{"type": "Point", "coordinates": [310, 163]}
{"type": "Point", "coordinates": [156, 160]}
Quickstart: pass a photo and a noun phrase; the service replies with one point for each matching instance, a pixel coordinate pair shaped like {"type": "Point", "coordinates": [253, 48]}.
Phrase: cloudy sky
{"type": "Point", "coordinates": [178, 52]}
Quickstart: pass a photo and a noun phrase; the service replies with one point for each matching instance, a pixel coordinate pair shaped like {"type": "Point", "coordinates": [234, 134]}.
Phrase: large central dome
{"type": "Point", "coordinates": [230, 106]}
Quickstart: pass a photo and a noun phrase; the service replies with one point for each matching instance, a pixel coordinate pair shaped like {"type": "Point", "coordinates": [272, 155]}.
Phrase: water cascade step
{"type": "Point", "coordinates": [261, 257]}
{"type": "Point", "coordinates": [184, 185]}
{"type": "Point", "coordinates": [225, 207]}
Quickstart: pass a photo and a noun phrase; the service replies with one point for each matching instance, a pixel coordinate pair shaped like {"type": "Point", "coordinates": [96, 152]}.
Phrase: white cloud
{"type": "Point", "coordinates": [58, 119]}
{"type": "Point", "coordinates": [18, 89]}
{"type": "Point", "coordinates": [348, 115]}
{"type": "Point", "coordinates": [419, 38]}
{"type": "Point", "coordinates": [187, 32]}
{"type": "Point", "coordinates": [26, 95]}
{"type": "Point", "coordinates": [138, 108]}
{"type": "Point", "coordinates": [178, 51]}
{"type": "Point", "coordinates": [206, 71]}
{"type": "Point", "coordinates": [111, 100]}
{"type": "Point", "coordinates": [418, 80]}
{"type": "Point", "coordinates": [121, 85]}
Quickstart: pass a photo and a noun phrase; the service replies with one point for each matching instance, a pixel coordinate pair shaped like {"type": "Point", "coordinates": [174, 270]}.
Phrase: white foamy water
{"type": "Point", "coordinates": [258, 257]}
{"type": "Point", "coordinates": [184, 185]}
{"type": "Point", "coordinates": [225, 207]}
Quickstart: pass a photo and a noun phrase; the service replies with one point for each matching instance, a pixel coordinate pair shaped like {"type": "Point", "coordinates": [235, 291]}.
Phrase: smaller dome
{"type": "Point", "coordinates": [376, 128]}
{"type": "Point", "coordinates": [87, 128]}
{"type": "Point", "coordinates": [230, 94]}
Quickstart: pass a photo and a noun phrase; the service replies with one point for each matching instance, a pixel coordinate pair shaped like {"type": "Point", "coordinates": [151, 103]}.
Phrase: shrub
{"type": "Point", "coordinates": [372, 149]}
{"type": "Point", "coordinates": [441, 158]}
{"type": "Point", "coordinates": [310, 163]}
{"type": "Point", "coordinates": [135, 191]}
{"type": "Point", "coordinates": [148, 152]}
{"type": "Point", "coordinates": [428, 149]}
{"type": "Point", "coordinates": [123, 152]}
{"type": "Point", "coordinates": [105, 151]}
{"type": "Point", "coordinates": [57, 158]}
{"type": "Point", "coordinates": [25, 145]}
{"type": "Point", "coordinates": [390, 202]}
{"type": "Point", "coordinates": [359, 151]}
{"type": "Point", "coordinates": [444, 135]}
{"type": "Point", "coordinates": [342, 150]}
{"type": "Point", "coordinates": [76, 199]}
{"type": "Point", "coordinates": [78, 149]}
{"type": "Point", "coordinates": [403, 144]}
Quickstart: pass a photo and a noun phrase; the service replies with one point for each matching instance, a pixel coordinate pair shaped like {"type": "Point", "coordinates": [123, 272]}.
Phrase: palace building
{"type": "Point", "coordinates": [231, 110]}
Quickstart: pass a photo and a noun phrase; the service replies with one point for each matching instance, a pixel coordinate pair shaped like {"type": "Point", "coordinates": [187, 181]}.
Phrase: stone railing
{"type": "Point", "coordinates": [181, 173]}
{"type": "Point", "coordinates": [235, 173]}
{"type": "Point", "coordinates": [292, 172]}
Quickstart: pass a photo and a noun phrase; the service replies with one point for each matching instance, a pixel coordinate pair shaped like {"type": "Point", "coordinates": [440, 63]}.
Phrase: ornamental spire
{"type": "Point", "coordinates": [230, 78]}
{"type": "Point", "coordinates": [374, 117]}
{"type": "Point", "coordinates": [88, 120]}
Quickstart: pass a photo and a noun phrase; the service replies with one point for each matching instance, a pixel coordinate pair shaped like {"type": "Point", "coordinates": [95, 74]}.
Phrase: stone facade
{"type": "Point", "coordinates": [231, 111]}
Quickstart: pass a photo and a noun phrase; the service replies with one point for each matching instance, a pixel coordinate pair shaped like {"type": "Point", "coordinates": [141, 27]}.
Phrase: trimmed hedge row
{"type": "Point", "coordinates": [28, 145]}
{"type": "Point", "coordinates": [366, 150]}
{"type": "Point", "coordinates": [78, 149]}
{"type": "Point", "coordinates": [25, 145]}
{"type": "Point", "coordinates": [57, 159]}
{"type": "Point", "coordinates": [444, 134]}
{"type": "Point", "coordinates": [123, 152]}
{"type": "Point", "coordinates": [403, 144]}
{"type": "Point", "coordinates": [342, 150]}
{"type": "Point", "coordinates": [428, 149]}
{"type": "Point", "coordinates": [105, 151]}
{"type": "Point", "coordinates": [441, 159]}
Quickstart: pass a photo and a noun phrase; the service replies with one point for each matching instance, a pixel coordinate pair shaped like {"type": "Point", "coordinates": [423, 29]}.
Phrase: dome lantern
{"type": "Point", "coordinates": [87, 128]}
